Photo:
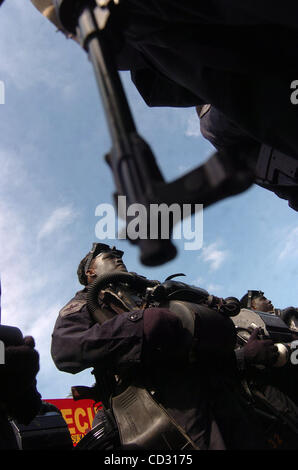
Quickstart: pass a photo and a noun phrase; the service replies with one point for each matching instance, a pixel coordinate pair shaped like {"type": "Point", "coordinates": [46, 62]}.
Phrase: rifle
{"type": "Point", "coordinates": [272, 327]}
{"type": "Point", "coordinates": [94, 24]}
{"type": "Point", "coordinates": [131, 160]}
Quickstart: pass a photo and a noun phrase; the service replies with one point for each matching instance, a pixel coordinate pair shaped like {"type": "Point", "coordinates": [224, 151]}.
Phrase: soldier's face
{"type": "Point", "coordinates": [262, 304]}
{"type": "Point", "coordinates": [106, 262]}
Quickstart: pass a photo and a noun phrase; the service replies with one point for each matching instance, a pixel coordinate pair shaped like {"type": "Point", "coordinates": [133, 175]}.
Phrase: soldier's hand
{"type": "Point", "coordinates": [19, 370]}
{"type": "Point", "coordinates": [26, 406]}
{"type": "Point", "coordinates": [260, 351]}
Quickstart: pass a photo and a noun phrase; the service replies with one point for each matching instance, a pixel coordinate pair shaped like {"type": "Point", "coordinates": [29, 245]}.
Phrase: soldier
{"type": "Point", "coordinates": [182, 53]}
{"type": "Point", "coordinates": [228, 138]}
{"type": "Point", "coordinates": [146, 358]}
{"type": "Point", "coordinates": [256, 300]}
{"type": "Point", "coordinates": [188, 54]}
{"type": "Point", "coordinates": [277, 385]}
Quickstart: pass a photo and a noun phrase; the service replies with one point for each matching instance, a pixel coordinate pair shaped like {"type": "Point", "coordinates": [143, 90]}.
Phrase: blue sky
{"type": "Point", "coordinates": [53, 176]}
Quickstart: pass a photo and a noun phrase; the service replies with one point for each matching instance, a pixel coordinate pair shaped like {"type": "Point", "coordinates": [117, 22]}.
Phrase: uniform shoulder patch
{"type": "Point", "coordinates": [73, 306]}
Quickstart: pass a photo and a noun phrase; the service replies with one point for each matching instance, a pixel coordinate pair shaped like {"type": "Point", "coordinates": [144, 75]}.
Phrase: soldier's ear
{"type": "Point", "coordinates": [90, 272]}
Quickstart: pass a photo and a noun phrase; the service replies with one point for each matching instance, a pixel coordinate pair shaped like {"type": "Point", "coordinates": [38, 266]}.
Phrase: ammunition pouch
{"type": "Point", "coordinates": [135, 422]}
{"type": "Point", "coordinates": [145, 425]}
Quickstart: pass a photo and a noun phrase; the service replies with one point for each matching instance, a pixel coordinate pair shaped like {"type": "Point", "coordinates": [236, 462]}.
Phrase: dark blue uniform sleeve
{"type": "Point", "coordinates": [221, 132]}
{"type": "Point", "coordinates": [79, 343]}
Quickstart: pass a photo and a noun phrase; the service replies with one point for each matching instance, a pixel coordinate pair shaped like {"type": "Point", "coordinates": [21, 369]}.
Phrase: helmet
{"type": "Point", "coordinates": [245, 301]}
{"type": "Point", "coordinates": [85, 263]}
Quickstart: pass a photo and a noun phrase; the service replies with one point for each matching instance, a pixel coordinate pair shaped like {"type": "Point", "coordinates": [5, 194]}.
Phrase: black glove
{"type": "Point", "coordinates": [260, 351]}
{"type": "Point", "coordinates": [20, 368]}
{"type": "Point", "coordinates": [17, 380]}
{"type": "Point", "coordinates": [25, 407]}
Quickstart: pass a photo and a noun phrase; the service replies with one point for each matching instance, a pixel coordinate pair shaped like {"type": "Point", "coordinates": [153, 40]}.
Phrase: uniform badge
{"type": "Point", "coordinates": [72, 307]}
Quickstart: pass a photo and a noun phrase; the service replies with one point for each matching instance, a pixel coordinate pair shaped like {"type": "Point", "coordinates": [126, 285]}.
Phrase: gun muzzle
{"type": "Point", "coordinates": [156, 252]}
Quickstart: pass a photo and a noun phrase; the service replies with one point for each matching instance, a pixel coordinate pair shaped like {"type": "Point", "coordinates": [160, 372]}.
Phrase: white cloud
{"type": "Point", "coordinates": [31, 286]}
{"type": "Point", "coordinates": [193, 126]}
{"type": "Point", "coordinates": [58, 219]}
{"type": "Point", "coordinates": [30, 295]}
{"type": "Point", "coordinates": [213, 255]}
{"type": "Point", "coordinates": [19, 279]}
{"type": "Point", "coordinates": [13, 173]}
{"type": "Point", "coordinates": [290, 245]}
{"type": "Point", "coordinates": [198, 281]}
{"type": "Point", "coordinates": [214, 288]}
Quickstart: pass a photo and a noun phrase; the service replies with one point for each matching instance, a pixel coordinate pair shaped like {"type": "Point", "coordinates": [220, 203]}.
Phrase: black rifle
{"type": "Point", "coordinates": [271, 327]}
{"type": "Point", "coordinates": [135, 171]}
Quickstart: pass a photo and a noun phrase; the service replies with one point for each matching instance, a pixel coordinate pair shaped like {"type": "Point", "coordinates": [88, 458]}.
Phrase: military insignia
{"type": "Point", "coordinates": [72, 307]}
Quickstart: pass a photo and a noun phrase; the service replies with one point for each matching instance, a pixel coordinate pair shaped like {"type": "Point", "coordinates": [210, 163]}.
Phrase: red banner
{"type": "Point", "coordinates": [78, 415]}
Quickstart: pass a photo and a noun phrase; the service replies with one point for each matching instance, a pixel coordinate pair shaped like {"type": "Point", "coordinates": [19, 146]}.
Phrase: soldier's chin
{"type": "Point", "coordinates": [121, 268]}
